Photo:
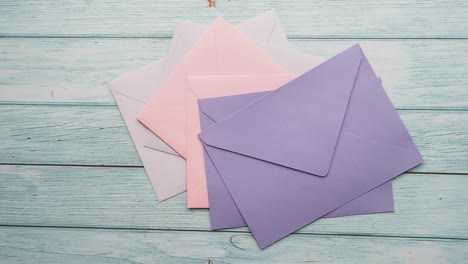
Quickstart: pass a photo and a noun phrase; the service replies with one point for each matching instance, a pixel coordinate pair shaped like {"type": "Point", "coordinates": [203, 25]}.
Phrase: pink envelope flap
{"type": "Point", "coordinates": [187, 33]}
{"type": "Point", "coordinates": [132, 90]}
{"type": "Point", "coordinates": [309, 148]}
{"type": "Point", "coordinates": [221, 50]}
{"type": "Point", "coordinates": [221, 85]}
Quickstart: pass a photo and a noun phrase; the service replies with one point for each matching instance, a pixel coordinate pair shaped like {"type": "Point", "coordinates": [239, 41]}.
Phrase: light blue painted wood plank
{"type": "Point", "coordinates": [301, 18]}
{"type": "Point", "coordinates": [47, 70]}
{"type": "Point", "coordinates": [96, 135]}
{"type": "Point", "coordinates": [416, 73]}
{"type": "Point", "coordinates": [46, 245]}
{"type": "Point", "coordinates": [426, 205]}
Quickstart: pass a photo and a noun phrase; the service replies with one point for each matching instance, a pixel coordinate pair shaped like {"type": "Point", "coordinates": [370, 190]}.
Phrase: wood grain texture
{"type": "Point", "coordinates": [83, 177]}
{"type": "Point", "coordinates": [96, 135]}
{"type": "Point", "coordinates": [97, 197]}
{"type": "Point", "coordinates": [78, 70]}
{"type": "Point", "coordinates": [301, 18]}
{"type": "Point", "coordinates": [44, 245]}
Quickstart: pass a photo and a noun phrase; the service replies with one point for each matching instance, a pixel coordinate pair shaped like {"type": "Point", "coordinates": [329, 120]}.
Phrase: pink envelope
{"type": "Point", "coordinates": [221, 50]}
{"type": "Point", "coordinates": [165, 168]}
{"type": "Point", "coordinates": [213, 86]}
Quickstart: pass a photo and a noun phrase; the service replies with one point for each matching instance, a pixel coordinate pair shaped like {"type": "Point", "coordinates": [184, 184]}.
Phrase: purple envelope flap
{"type": "Point", "coordinates": [372, 115]}
{"type": "Point", "coordinates": [373, 148]}
{"type": "Point", "coordinates": [223, 210]}
{"type": "Point", "coordinates": [304, 119]}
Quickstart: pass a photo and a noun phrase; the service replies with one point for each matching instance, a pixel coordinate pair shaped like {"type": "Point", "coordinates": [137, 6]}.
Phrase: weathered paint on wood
{"type": "Point", "coordinates": [96, 135]}
{"type": "Point", "coordinates": [97, 197]}
{"type": "Point", "coordinates": [301, 18]}
{"type": "Point", "coordinates": [415, 73]}
{"type": "Point", "coordinates": [47, 245]}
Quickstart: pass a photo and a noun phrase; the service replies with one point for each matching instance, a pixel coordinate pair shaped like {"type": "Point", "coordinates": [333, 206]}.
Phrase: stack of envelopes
{"type": "Point", "coordinates": [261, 134]}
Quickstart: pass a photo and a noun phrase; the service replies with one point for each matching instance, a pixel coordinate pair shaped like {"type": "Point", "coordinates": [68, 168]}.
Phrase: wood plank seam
{"type": "Point", "coordinates": [141, 167]}
{"type": "Point", "coordinates": [226, 231]}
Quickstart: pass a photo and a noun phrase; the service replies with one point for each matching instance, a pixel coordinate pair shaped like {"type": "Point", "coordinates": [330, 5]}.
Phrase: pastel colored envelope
{"type": "Point", "coordinates": [219, 86]}
{"type": "Point", "coordinates": [305, 149]}
{"type": "Point", "coordinates": [292, 60]}
{"type": "Point", "coordinates": [221, 50]}
{"type": "Point", "coordinates": [165, 168]}
{"type": "Point", "coordinates": [223, 211]}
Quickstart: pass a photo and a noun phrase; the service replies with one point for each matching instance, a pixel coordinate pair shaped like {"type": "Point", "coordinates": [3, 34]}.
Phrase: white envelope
{"type": "Point", "coordinates": [165, 168]}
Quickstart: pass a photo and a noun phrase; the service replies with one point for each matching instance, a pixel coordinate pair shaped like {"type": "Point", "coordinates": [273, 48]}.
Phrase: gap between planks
{"type": "Point", "coordinates": [141, 167]}
{"type": "Point", "coordinates": [97, 104]}
{"type": "Point", "coordinates": [150, 229]}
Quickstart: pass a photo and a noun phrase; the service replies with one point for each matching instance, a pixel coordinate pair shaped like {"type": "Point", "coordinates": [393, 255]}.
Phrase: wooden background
{"type": "Point", "coordinates": [72, 188]}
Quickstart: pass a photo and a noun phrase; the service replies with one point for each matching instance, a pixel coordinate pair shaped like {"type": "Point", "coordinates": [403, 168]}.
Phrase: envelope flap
{"type": "Point", "coordinates": [225, 85]}
{"type": "Point", "coordinates": [143, 82]}
{"type": "Point", "coordinates": [371, 114]}
{"type": "Point", "coordinates": [233, 87]}
{"type": "Point", "coordinates": [139, 84]}
{"type": "Point", "coordinates": [221, 50]}
{"type": "Point", "coordinates": [299, 124]}
{"type": "Point", "coordinates": [188, 33]}
{"type": "Point", "coordinates": [236, 54]}
{"type": "Point", "coordinates": [218, 108]}
{"type": "Point", "coordinates": [265, 27]}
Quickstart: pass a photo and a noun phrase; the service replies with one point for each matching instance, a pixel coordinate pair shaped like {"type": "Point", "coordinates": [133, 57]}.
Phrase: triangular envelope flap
{"type": "Point", "coordinates": [158, 164]}
{"type": "Point", "coordinates": [202, 51]}
{"type": "Point", "coordinates": [297, 125]}
{"type": "Point", "coordinates": [142, 83]}
{"type": "Point", "coordinates": [222, 49]}
{"type": "Point", "coordinates": [235, 85]}
{"type": "Point", "coordinates": [264, 27]}
{"type": "Point", "coordinates": [188, 33]}
{"type": "Point", "coordinates": [234, 52]}
{"type": "Point", "coordinates": [184, 37]}
{"type": "Point", "coordinates": [276, 201]}
{"type": "Point", "coordinates": [293, 60]}
{"type": "Point", "coordinates": [129, 108]}
{"type": "Point", "coordinates": [139, 84]}
{"type": "Point", "coordinates": [218, 108]}
{"type": "Point", "coordinates": [268, 26]}
{"type": "Point", "coordinates": [372, 115]}
{"type": "Point", "coordinates": [203, 59]}
{"type": "Point", "coordinates": [167, 106]}
{"type": "Point", "coordinates": [225, 85]}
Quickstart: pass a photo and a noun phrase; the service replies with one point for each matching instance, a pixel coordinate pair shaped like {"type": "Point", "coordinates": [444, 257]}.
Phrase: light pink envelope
{"type": "Point", "coordinates": [212, 86]}
{"type": "Point", "coordinates": [221, 50]}
{"type": "Point", "coordinates": [165, 168]}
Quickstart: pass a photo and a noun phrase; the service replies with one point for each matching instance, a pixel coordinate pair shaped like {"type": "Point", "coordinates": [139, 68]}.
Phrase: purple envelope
{"type": "Point", "coordinates": [300, 152]}
{"type": "Point", "coordinates": [223, 211]}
